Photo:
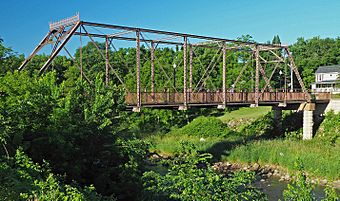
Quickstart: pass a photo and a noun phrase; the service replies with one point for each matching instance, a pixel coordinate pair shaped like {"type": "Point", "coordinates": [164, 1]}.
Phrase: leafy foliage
{"type": "Point", "coordinates": [206, 127]}
{"type": "Point", "coordinates": [77, 130]}
{"type": "Point", "coordinates": [84, 133]}
{"type": "Point", "coordinates": [22, 179]}
{"type": "Point", "coordinates": [302, 190]}
{"type": "Point", "coordinates": [328, 131]}
{"type": "Point", "coordinates": [314, 52]}
{"type": "Point", "coordinates": [192, 178]}
{"type": "Point", "coordinates": [261, 126]}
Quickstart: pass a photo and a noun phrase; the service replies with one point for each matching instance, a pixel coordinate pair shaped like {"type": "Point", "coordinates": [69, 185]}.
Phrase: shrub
{"type": "Point", "coordinates": [262, 126]}
{"type": "Point", "coordinates": [191, 177]}
{"type": "Point", "coordinates": [294, 135]}
{"type": "Point", "coordinates": [301, 189]}
{"type": "Point", "coordinates": [329, 130]}
{"type": "Point", "coordinates": [206, 127]}
{"type": "Point", "coordinates": [22, 179]}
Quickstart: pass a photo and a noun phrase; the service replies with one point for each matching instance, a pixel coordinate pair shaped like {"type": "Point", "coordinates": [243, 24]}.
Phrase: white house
{"type": "Point", "coordinates": [327, 79]}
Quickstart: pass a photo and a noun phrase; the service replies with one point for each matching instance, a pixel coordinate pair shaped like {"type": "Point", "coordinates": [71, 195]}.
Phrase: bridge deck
{"type": "Point", "coordinates": [211, 99]}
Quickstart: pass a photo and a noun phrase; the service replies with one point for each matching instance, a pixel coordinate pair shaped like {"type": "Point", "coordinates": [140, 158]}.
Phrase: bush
{"type": "Point", "coordinates": [191, 177]}
{"type": "Point", "coordinates": [262, 126]}
{"type": "Point", "coordinates": [294, 135]}
{"type": "Point", "coordinates": [329, 129]}
{"type": "Point", "coordinates": [301, 189]}
{"type": "Point", "coordinates": [206, 127]}
{"type": "Point", "coordinates": [22, 179]}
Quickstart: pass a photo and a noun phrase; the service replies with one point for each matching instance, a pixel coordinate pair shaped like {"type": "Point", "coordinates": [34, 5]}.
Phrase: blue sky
{"type": "Point", "coordinates": [24, 23]}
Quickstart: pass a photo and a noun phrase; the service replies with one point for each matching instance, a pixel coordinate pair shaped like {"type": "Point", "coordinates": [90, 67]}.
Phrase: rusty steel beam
{"type": "Point", "coordinates": [236, 48]}
{"type": "Point", "coordinates": [42, 43]}
{"type": "Point", "coordinates": [263, 72]}
{"type": "Point", "coordinates": [257, 76]}
{"type": "Point", "coordinates": [118, 34]}
{"type": "Point", "coordinates": [81, 55]}
{"type": "Point", "coordinates": [240, 74]}
{"type": "Point", "coordinates": [160, 65]}
{"type": "Point", "coordinates": [55, 53]}
{"type": "Point", "coordinates": [211, 42]}
{"type": "Point", "coordinates": [276, 47]}
{"type": "Point", "coordinates": [297, 74]}
{"type": "Point", "coordinates": [224, 76]}
{"type": "Point", "coordinates": [153, 70]}
{"type": "Point", "coordinates": [74, 60]}
{"type": "Point", "coordinates": [138, 69]}
{"type": "Point", "coordinates": [110, 26]}
{"type": "Point", "coordinates": [129, 38]}
{"type": "Point", "coordinates": [277, 56]}
{"type": "Point", "coordinates": [107, 62]}
{"type": "Point", "coordinates": [207, 70]}
{"type": "Point", "coordinates": [185, 71]}
{"type": "Point", "coordinates": [191, 53]}
{"type": "Point", "coordinates": [271, 75]}
{"type": "Point", "coordinates": [102, 55]}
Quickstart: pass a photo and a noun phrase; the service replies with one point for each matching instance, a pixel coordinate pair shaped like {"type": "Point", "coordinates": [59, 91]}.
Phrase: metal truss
{"type": "Point", "coordinates": [268, 58]}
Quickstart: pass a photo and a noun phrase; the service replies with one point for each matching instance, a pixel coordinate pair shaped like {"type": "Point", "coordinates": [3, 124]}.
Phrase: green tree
{"type": "Point", "coordinates": [22, 179]}
{"type": "Point", "coordinates": [276, 40]}
{"type": "Point", "coordinates": [193, 178]}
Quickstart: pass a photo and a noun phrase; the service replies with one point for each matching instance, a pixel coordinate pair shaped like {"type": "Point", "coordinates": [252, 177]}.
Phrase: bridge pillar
{"type": "Point", "coordinates": [278, 119]}
{"type": "Point", "coordinates": [257, 76]}
{"type": "Point", "coordinates": [308, 121]}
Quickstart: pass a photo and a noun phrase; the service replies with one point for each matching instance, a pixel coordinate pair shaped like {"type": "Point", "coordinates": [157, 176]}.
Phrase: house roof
{"type": "Point", "coordinates": [328, 69]}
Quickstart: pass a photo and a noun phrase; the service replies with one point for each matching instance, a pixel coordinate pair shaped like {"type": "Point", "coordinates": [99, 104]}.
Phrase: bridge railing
{"type": "Point", "coordinates": [322, 96]}
{"type": "Point", "coordinates": [172, 98]}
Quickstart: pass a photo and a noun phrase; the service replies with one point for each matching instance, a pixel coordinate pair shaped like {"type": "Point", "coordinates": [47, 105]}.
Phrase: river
{"type": "Point", "coordinates": [274, 188]}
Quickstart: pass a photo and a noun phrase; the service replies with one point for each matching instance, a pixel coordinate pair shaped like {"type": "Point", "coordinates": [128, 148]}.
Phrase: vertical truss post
{"type": "Point", "coordinates": [224, 76]}
{"type": "Point", "coordinates": [81, 56]}
{"type": "Point", "coordinates": [138, 69]}
{"type": "Point", "coordinates": [285, 83]}
{"type": "Point", "coordinates": [153, 71]}
{"type": "Point", "coordinates": [185, 72]}
{"type": "Point", "coordinates": [190, 68]}
{"type": "Point", "coordinates": [107, 61]}
{"type": "Point", "coordinates": [257, 75]}
{"type": "Point", "coordinates": [291, 80]}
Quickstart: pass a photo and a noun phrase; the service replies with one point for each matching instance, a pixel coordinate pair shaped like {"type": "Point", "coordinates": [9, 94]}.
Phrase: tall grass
{"type": "Point", "coordinates": [170, 144]}
{"type": "Point", "coordinates": [245, 113]}
{"type": "Point", "coordinates": [319, 159]}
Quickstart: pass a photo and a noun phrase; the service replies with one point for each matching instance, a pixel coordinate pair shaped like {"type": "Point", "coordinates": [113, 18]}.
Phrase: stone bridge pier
{"type": "Point", "coordinates": [308, 118]}
{"type": "Point", "coordinates": [308, 121]}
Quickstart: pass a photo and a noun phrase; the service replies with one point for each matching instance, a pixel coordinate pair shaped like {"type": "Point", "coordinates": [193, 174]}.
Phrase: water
{"type": "Point", "coordinates": [271, 186]}
{"type": "Point", "coordinates": [274, 188]}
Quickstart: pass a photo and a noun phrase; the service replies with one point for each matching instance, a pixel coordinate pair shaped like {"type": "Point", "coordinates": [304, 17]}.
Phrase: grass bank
{"type": "Point", "coordinates": [245, 113]}
{"type": "Point", "coordinates": [250, 142]}
{"type": "Point", "coordinates": [320, 159]}
{"type": "Point", "coordinates": [213, 135]}
{"type": "Point", "coordinates": [170, 144]}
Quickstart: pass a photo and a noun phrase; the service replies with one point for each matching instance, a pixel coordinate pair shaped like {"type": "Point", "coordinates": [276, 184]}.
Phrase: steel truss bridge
{"type": "Point", "coordinates": [263, 58]}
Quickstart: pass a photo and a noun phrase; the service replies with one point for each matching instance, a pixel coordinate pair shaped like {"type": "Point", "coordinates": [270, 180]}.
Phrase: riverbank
{"type": "Point", "coordinates": [244, 140]}
{"type": "Point", "coordinates": [265, 171]}
{"type": "Point", "coordinates": [320, 159]}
